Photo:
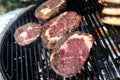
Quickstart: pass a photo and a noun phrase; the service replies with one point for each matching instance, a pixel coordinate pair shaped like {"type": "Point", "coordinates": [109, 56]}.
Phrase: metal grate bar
{"type": "Point", "coordinates": [31, 64]}
{"type": "Point", "coordinates": [98, 7]}
{"type": "Point", "coordinates": [114, 46]}
{"type": "Point", "coordinates": [100, 76]}
{"type": "Point", "coordinates": [12, 48]}
{"type": "Point", "coordinates": [88, 73]}
{"type": "Point", "coordinates": [110, 44]}
{"type": "Point", "coordinates": [102, 38]}
{"type": "Point", "coordinates": [21, 64]}
{"type": "Point", "coordinates": [26, 63]}
{"type": "Point", "coordinates": [16, 59]}
{"type": "Point", "coordinates": [92, 70]}
{"type": "Point", "coordinates": [83, 76]}
{"type": "Point", "coordinates": [115, 70]}
{"type": "Point", "coordinates": [7, 61]}
{"type": "Point", "coordinates": [36, 63]}
{"type": "Point", "coordinates": [40, 64]}
{"type": "Point", "coordinates": [46, 63]}
{"type": "Point", "coordinates": [101, 54]}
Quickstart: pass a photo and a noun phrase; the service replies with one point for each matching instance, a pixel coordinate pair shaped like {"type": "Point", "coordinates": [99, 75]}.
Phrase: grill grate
{"type": "Point", "coordinates": [32, 62]}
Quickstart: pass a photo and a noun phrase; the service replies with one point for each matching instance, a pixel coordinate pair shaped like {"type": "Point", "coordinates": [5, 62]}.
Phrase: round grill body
{"type": "Point", "coordinates": [31, 62]}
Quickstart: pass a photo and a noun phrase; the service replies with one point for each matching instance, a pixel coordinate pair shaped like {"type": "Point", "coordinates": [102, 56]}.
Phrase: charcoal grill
{"type": "Point", "coordinates": [32, 62]}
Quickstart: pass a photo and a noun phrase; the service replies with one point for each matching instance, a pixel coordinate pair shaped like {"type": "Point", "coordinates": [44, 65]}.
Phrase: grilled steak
{"type": "Point", "coordinates": [49, 9]}
{"type": "Point", "coordinates": [27, 33]}
{"type": "Point", "coordinates": [56, 28]}
{"type": "Point", "coordinates": [71, 53]}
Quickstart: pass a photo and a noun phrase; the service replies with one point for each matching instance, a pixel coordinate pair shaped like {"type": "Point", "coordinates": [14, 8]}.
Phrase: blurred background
{"type": "Point", "coordinates": [9, 5]}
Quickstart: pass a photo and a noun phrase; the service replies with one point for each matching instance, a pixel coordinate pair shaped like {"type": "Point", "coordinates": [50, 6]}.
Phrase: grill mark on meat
{"type": "Point", "coordinates": [70, 53]}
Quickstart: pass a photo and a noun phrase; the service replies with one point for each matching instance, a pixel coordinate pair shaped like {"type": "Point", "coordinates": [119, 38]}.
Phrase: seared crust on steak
{"type": "Point", "coordinates": [70, 53]}
{"type": "Point", "coordinates": [49, 9]}
{"type": "Point", "coordinates": [27, 33]}
{"type": "Point", "coordinates": [60, 42]}
{"type": "Point", "coordinates": [56, 28]}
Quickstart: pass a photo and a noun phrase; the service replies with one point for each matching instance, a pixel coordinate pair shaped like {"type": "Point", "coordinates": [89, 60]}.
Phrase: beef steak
{"type": "Point", "coordinates": [56, 28]}
{"type": "Point", "coordinates": [49, 9]}
{"type": "Point", "coordinates": [27, 33]}
{"type": "Point", "coordinates": [71, 53]}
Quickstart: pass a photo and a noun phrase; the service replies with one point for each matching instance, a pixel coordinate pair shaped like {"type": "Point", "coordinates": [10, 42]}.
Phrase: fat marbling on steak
{"type": "Point", "coordinates": [57, 27]}
{"type": "Point", "coordinates": [49, 9]}
{"type": "Point", "coordinates": [71, 53]}
{"type": "Point", "coordinates": [27, 33]}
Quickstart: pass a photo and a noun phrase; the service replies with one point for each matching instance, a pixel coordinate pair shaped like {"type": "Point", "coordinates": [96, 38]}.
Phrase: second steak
{"type": "Point", "coordinates": [56, 28]}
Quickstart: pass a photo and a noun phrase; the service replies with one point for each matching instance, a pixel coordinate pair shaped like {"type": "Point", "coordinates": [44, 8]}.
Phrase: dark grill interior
{"type": "Point", "coordinates": [32, 62]}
